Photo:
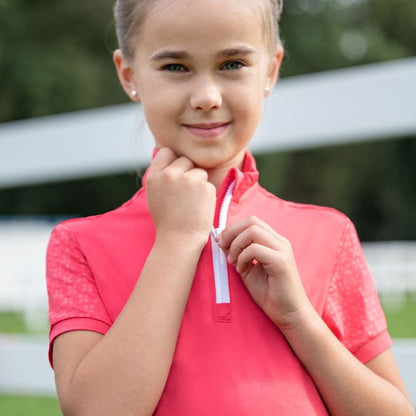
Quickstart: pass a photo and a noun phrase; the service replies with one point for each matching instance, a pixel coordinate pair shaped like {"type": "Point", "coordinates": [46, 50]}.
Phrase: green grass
{"type": "Point", "coordinates": [28, 406]}
{"type": "Point", "coordinates": [12, 322]}
{"type": "Point", "coordinates": [401, 317]}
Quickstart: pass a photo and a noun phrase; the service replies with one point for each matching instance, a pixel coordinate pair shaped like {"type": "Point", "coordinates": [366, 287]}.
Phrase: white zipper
{"type": "Point", "coordinates": [222, 289]}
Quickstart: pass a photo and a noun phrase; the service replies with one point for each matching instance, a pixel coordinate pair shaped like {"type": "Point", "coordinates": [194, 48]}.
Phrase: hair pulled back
{"type": "Point", "coordinates": [130, 16]}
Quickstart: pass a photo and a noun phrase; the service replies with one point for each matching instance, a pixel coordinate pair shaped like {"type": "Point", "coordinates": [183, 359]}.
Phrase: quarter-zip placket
{"type": "Point", "coordinates": [219, 261]}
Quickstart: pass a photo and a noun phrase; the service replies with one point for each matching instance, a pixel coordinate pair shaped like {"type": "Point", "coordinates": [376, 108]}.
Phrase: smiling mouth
{"type": "Point", "coordinates": [207, 130]}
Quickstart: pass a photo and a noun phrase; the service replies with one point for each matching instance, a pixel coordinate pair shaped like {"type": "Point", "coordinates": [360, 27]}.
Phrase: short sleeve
{"type": "Point", "coordinates": [74, 300]}
{"type": "Point", "coordinates": [352, 308]}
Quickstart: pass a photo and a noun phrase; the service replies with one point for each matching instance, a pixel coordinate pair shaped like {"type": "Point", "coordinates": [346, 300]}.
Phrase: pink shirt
{"type": "Point", "coordinates": [230, 359]}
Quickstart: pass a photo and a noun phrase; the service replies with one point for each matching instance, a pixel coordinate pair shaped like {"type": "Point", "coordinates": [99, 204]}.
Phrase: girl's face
{"type": "Point", "coordinates": [200, 70]}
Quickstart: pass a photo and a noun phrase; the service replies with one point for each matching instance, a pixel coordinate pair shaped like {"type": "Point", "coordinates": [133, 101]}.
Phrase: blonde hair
{"type": "Point", "coordinates": [130, 15]}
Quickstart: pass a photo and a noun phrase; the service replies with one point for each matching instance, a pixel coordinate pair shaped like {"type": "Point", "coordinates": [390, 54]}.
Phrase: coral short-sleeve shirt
{"type": "Point", "coordinates": [230, 358]}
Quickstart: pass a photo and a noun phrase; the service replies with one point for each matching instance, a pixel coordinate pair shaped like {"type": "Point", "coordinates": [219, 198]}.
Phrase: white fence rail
{"type": "Point", "coordinates": [346, 105]}
{"type": "Point", "coordinates": [24, 367]}
{"type": "Point", "coordinates": [393, 265]}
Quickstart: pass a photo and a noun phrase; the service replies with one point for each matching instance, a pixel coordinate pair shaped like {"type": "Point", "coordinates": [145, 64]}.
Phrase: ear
{"type": "Point", "coordinates": [274, 68]}
{"type": "Point", "coordinates": [125, 75]}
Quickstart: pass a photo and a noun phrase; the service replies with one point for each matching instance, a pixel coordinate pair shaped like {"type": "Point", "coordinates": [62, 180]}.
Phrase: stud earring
{"type": "Point", "coordinates": [134, 93]}
{"type": "Point", "coordinates": [267, 90]}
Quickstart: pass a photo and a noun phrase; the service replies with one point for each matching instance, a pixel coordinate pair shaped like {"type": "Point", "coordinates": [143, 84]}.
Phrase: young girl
{"type": "Point", "coordinates": [204, 294]}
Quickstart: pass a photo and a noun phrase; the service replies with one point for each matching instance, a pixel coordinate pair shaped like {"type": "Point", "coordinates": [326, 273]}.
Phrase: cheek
{"type": "Point", "coordinates": [159, 109]}
{"type": "Point", "coordinates": [248, 107]}
{"type": "Point", "coordinates": [156, 125]}
{"type": "Point", "coordinates": [159, 96]}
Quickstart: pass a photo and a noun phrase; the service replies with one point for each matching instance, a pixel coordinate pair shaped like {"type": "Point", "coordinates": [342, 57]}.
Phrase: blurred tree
{"type": "Point", "coordinates": [56, 57]}
{"type": "Point", "coordinates": [328, 34]}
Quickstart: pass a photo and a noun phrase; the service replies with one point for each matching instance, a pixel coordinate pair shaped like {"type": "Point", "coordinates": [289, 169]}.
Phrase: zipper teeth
{"type": "Point", "coordinates": [225, 204]}
{"type": "Point", "coordinates": [222, 290]}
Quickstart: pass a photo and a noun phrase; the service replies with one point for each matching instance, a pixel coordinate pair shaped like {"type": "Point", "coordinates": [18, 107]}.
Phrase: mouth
{"type": "Point", "coordinates": [207, 130]}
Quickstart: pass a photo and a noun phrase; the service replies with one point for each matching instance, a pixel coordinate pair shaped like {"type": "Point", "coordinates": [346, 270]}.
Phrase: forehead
{"type": "Point", "coordinates": [202, 23]}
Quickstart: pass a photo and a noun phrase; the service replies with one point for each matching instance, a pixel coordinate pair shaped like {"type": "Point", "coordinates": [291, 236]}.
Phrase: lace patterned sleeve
{"type": "Point", "coordinates": [352, 309]}
{"type": "Point", "coordinates": [74, 300]}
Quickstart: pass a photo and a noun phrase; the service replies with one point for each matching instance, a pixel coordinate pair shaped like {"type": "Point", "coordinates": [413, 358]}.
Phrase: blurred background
{"type": "Point", "coordinates": [56, 58]}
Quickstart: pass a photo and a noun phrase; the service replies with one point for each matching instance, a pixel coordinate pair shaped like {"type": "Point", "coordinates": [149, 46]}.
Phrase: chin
{"type": "Point", "coordinates": [217, 163]}
{"type": "Point", "coordinates": [206, 159]}
{"type": "Point", "coordinates": [212, 158]}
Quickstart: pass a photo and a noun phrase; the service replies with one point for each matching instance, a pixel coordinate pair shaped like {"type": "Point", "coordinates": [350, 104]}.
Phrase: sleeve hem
{"type": "Point", "coordinates": [74, 324]}
{"type": "Point", "coordinates": [374, 347]}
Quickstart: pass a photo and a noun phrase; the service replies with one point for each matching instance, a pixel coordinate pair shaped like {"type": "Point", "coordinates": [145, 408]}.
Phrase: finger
{"type": "Point", "coordinates": [231, 232]}
{"type": "Point", "coordinates": [198, 174]}
{"type": "Point", "coordinates": [163, 158]}
{"type": "Point", "coordinates": [255, 253]}
{"type": "Point", "coordinates": [167, 160]}
{"type": "Point", "coordinates": [252, 234]}
{"type": "Point", "coordinates": [182, 164]}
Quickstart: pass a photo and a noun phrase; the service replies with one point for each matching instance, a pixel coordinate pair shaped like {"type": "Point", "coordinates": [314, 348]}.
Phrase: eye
{"type": "Point", "coordinates": [233, 66]}
{"type": "Point", "coordinates": [174, 68]}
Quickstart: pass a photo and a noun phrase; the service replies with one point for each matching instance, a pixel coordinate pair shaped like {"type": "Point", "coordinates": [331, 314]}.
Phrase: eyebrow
{"type": "Point", "coordinates": [230, 52]}
{"type": "Point", "coordinates": [170, 54]}
{"type": "Point", "coordinates": [225, 53]}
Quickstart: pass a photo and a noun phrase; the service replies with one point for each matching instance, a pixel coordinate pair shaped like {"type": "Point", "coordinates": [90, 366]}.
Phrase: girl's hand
{"type": "Point", "coordinates": [180, 198]}
{"type": "Point", "coordinates": [267, 266]}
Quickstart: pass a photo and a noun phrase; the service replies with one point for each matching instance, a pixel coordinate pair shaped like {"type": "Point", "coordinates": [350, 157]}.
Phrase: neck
{"type": "Point", "coordinates": [216, 175]}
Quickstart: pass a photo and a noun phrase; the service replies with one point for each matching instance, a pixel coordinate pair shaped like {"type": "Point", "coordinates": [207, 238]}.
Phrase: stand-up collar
{"type": "Point", "coordinates": [243, 179]}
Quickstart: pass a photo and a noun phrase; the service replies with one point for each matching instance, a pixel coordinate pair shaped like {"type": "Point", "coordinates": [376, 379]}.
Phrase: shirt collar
{"type": "Point", "coordinates": [244, 178]}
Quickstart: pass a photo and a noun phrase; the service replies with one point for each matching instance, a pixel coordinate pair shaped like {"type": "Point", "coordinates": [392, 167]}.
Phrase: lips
{"type": "Point", "coordinates": [207, 130]}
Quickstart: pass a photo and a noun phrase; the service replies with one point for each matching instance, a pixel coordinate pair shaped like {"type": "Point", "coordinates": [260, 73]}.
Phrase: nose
{"type": "Point", "coordinates": [205, 95]}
